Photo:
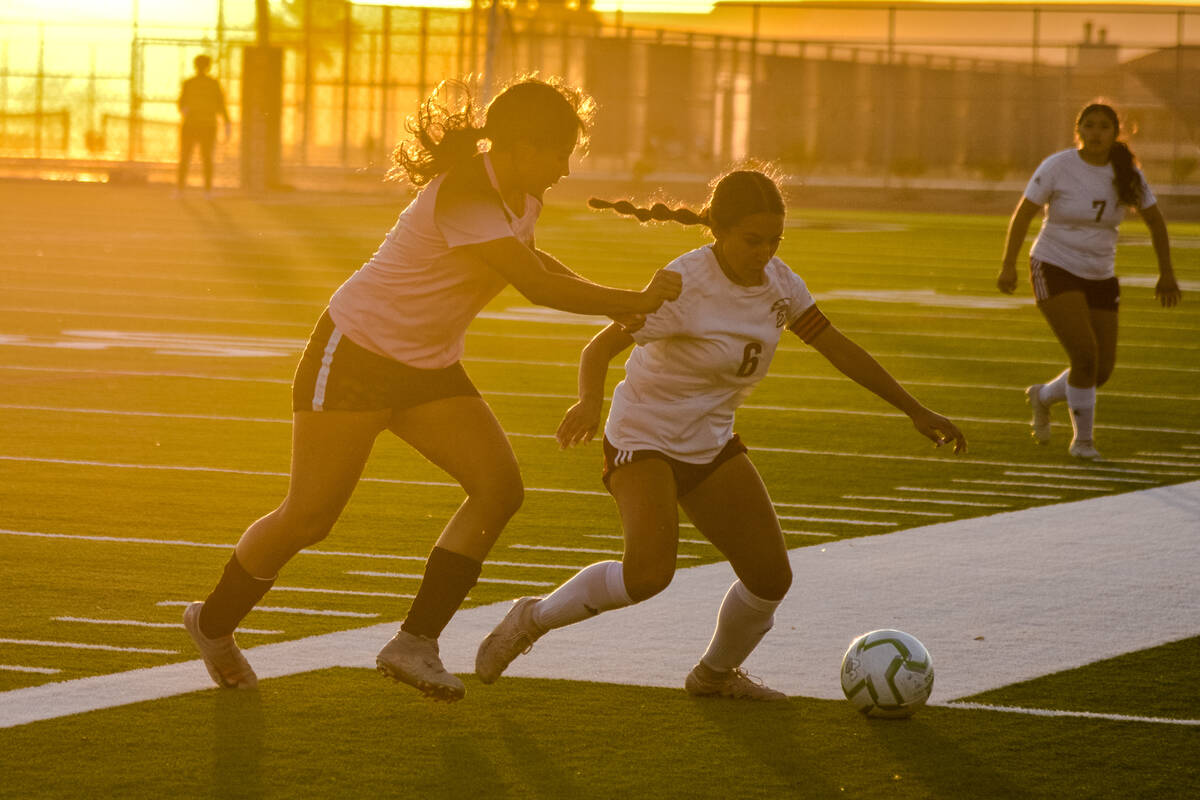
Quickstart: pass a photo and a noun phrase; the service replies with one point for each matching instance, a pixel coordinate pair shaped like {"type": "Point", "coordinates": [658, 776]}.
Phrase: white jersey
{"type": "Point", "coordinates": [1079, 232]}
{"type": "Point", "coordinates": [412, 302]}
{"type": "Point", "coordinates": [699, 356]}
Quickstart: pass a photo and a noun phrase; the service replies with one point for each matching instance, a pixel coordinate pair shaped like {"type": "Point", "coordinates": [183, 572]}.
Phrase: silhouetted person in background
{"type": "Point", "coordinates": [201, 101]}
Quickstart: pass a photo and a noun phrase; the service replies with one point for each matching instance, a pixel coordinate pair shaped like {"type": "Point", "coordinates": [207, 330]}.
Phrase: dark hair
{"type": "Point", "coordinates": [1125, 175]}
{"type": "Point", "coordinates": [449, 125]}
{"type": "Point", "coordinates": [735, 196]}
{"type": "Point", "coordinates": [201, 62]}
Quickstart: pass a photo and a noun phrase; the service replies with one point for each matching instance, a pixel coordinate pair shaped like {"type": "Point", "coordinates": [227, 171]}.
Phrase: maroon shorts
{"type": "Point", "coordinates": [687, 476]}
{"type": "Point", "coordinates": [1049, 280]}
{"type": "Point", "coordinates": [335, 374]}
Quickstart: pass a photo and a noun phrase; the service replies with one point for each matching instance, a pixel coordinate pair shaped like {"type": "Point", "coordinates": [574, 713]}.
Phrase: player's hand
{"type": "Point", "coordinates": [579, 424]}
{"type": "Point", "coordinates": [1167, 291]}
{"type": "Point", "coordinates": [1006, 281]}
{"type": "Point", "coordinates": [939, 430]}
{"type": "Point", "coordinates": [663, 287]}
{"type": "Point", "coordinates": [630, 323]}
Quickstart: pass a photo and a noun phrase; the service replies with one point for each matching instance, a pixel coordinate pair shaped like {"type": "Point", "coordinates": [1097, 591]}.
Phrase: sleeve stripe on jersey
{"type": "Point", "coordinates": [809, 324]}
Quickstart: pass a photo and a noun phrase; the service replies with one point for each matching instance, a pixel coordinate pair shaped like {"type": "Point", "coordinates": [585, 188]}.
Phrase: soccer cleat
{"type": "Point", "coordinates": [222, 658]}
{"type": "Point", "coordinates": [514, 636]}
{"type": "Point", "coordinates": [1085, 450]}
{"type": "Point", "coordinates": [1041, 414]}
{"type": "Point", "coordinates": [414, 660]}
{"type": "Point", "coordinates": [703, 681]}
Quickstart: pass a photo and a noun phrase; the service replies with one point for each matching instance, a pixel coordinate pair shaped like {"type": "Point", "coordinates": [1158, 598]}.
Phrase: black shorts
{"type": "Point", "coordinates": [687, 476]}
{"type": "Point", "coordinates": [335, 374]}
{"type": "Point", "coordinates": [1049, 280]}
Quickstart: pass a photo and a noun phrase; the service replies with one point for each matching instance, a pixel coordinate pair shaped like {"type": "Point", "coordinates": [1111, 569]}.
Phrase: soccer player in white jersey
{"type": "Point", "coordinates": [669, 438]}
{"type": "Point", "coordinates": [386, 356]}
{"type": "Point", "coordinates": [1085, 191]}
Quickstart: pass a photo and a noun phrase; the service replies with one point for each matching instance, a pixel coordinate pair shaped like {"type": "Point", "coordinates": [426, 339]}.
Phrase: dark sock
{"type": "Point", "coordinates": [234, 595]}
{"type": "Point", "coordinates": [448, 578]}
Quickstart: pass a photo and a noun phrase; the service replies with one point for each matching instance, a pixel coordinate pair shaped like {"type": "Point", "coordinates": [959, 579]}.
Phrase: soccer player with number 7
{"type": "Point", "coordinates": [669, 438]}
{"type": "Point", "coordinates": [1085, 190]}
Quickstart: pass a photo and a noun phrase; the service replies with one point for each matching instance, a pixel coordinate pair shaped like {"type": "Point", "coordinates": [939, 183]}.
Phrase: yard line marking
{"type": "Point", "coordinates": [791, 533]}
{"type": "Point", "coordinates": [1170, 455]}
{"type": "Point", "coordinates": [782, 375]}
{"type": "Point", "coordinates": [1048, 712]}
{"type": "Point", "coordinates": [553, 396]}
{"type": "Point", "coordinates": [83, 646]}
{"type": "Point", "coordinates": [348, 592]}
{"type": "Point", "coordinates": [871, 510]}
{"type": "Point", "coordinates": [132, 540]}
{"type": "Point", "coordinates": [371, 574]}
{"type": "Point", "coordinates": [141, 624]}
{"type": "Point", "coordinates": [1147, 462]}
{"type": "Point", "coordinates": [311, 612]}
{"type": "Point", "coordinates": [622, 538]}
{"type": "Point", "coordinates": [1078, 488]}
{"type": "Point", "coordinates": [1025, 474]}
{"type": "Point", "coordinates": [929, 500]}
{"type": "Point", "coordinates": [265, 473]}
{"type": "Point", "coordinates": [978, 491]}
{"type": "Point", "coordinates": [555, 549]}
{"type": "Point", "coordinates": [75, 312]}
{"type": "Point", "coordinates": [840, 521]}
{"type": "Point", "coordinates": [38, 670]}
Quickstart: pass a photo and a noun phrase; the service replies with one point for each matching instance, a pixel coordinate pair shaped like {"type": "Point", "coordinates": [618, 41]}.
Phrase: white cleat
{"type": "Point", "coordinates": [222, 658]}
{"type": "Point", "coordinates": [415, 660]}
{"type": "Point", "coordinates": [1085, 450]}
{"type": "Point", "coordinates": [514, 636]}
{"type": "Point", "coordinates": [1041, 414]}
{"type": "Point", "coordinates": [738, 684]}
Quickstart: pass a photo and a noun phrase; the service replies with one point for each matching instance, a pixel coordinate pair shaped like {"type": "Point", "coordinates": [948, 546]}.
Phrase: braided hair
{"type": "Point", "coordinates": [1125, 175]}
{"type": "Point", "coordinates": [735, 195]}
{"type": "Point", "coordinates": [449, 125]}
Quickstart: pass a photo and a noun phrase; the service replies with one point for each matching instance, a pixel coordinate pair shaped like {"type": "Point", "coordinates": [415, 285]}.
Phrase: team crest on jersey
{"type": "Point", "coordinates": [780, 307]}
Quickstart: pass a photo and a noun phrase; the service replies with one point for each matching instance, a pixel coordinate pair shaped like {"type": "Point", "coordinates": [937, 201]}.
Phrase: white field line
{"type": "Point", "coordinates": [566, 397]}
{"type": "Point", "coordinates": [927, 500]}
{"type": "Point", "coordinates": [1049, 712]}
{"type": "Point", "coordinates": [556, 549]}
{"type": "Point", "coordinates": [409, 576]}
{"type": "Point", "coordinates": [1077, 488]}
{"type": "Point", "coordinates": [516, 314]}
{"type": "Point", "coordinates": [1027, 474]}
{"type": "Point", "coordinates": [616, 536]}
{"type": "Point", "coordinates": [346, 592]}
{"type": "Point", "coordinates": [1190, 446]}
{"type": "Point", "coordinates": [780, 375]}
{"type": "Point", "coordinates": [84, 646]}
{"type": "Point", "coordinates": [790, 518]}
{"type": "Point", "coordinates": [141, 624]}
{"type": "Point", "coordinates": [978, 491]}
{"type": "Point", "coordinates": [907, 512]}
{"type": "Point", "coordinates": [36, 670]}
{"type": "Point", "coordinates": [1189, 456]}
{"type": "Point", "coordinates": [311, 612]}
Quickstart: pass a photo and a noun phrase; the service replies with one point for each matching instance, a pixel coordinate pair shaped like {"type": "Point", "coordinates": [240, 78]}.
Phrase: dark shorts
{"type": "Point", "coordinates": [1049, 280]}
{"type": "Point", "coordinates": [687, 476]}
{"type": "Point", "coordinates": [335, 374]}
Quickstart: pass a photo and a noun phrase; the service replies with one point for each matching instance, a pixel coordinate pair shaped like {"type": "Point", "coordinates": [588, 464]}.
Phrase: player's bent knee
{"type": "Point", "coordinates": [645, 585]}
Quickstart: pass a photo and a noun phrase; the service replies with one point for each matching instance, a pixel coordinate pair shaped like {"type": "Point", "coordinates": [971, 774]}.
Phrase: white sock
{"type": "Point", "coordinates": [1082, 403]}
{"type": "Point", "coordinates": [742, 622]}
{"type": "Point", "coordinates": [595, 588]}
{"type": "Point", "coordinates": [1056, 390]}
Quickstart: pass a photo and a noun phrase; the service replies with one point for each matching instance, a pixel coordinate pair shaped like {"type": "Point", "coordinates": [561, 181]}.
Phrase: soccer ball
{"type": "Point", "coordinates": [887, 673]}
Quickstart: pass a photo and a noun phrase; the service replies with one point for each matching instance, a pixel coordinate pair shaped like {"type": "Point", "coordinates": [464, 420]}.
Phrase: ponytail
{"type": "Point", "coordinates": [1126, 179]}
{"type": "Point", "coordinates": [659, 212]}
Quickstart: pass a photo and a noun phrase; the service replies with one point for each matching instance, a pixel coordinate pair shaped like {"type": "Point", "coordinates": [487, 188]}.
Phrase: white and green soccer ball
{"type": "Point", "coordinates": [887, 673]}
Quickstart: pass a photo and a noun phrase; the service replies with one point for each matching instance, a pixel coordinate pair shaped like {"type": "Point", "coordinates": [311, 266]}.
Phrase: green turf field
{"type": "Point", "coordinates": [146, 350]}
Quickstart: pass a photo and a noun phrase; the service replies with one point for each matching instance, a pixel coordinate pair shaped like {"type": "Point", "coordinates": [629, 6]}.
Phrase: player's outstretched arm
{"type": "Point", "coordinates": [1167, 288]}
{"type": "Point", "coordinates": [1018, 226]}
{"type": "Point", "coordinates": [582, 420]}
{"type": "Point", "coordinates": [858, 365]}
{"type": "Point", "coordinates": [528, 274]}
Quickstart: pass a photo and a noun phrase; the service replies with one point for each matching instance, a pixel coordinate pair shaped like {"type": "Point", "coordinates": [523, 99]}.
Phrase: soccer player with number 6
{"type": "Point", "coordinates": [669, 438]}
{"type": "Point", "coordinates": [1085, 191]}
